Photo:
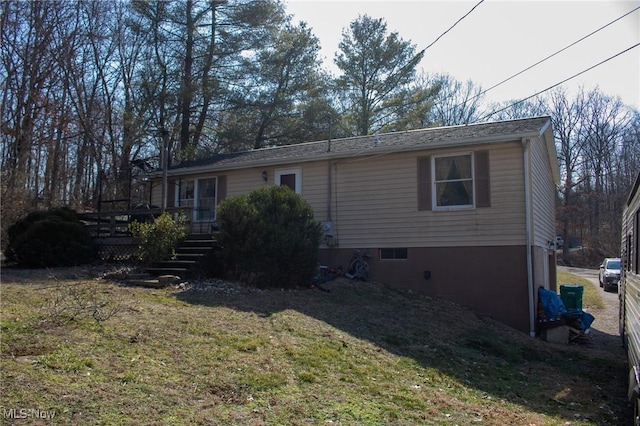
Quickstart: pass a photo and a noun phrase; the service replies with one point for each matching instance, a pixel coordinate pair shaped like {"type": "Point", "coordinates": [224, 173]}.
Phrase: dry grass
{"type": "Point", "coordinates": [590, 296]}
{"type": "Point", "coordinates": [361, 354]}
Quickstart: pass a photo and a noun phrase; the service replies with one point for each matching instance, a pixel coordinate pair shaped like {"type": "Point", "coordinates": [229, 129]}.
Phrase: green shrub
{"type": "Point", "coordinates": [49, 238]}
{"type": "Point", "coordinates": [20, 226]}
{"type": "Point", "coordinates": [269, 237]}
{"type": "Point", "coordinates": [158, 239]}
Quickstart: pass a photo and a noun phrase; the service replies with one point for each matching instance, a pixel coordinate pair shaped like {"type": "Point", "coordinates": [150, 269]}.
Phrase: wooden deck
{"type": "Point", "coordinates": [116, 223]}
{"type": "Point", "coordinates": [112, 235]}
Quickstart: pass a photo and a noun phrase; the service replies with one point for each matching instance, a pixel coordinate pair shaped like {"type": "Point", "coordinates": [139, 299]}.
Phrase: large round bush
{"type": "Point", "coordinates": [269, 237]}
{"type": "Point", "coordinates": [49, 238]}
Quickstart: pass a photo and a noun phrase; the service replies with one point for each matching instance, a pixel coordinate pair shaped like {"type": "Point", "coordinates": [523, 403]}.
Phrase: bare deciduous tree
{"type": "Point", "coordinates": [456, 102]}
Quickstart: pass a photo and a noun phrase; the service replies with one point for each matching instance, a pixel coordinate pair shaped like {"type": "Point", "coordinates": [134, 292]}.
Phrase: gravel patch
{"type": "Point", "coordinates": [604, 333]}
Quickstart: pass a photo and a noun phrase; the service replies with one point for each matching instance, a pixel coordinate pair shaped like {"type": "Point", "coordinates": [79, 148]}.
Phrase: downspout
{"type": "Point", "coordinates": [165, 166]}
{"type": "Point", "coordinates": [329, 173]}
{"type": "Point", "coordinates": [329, 190]}
{"type": "Point", "coordinates": [528, 238]}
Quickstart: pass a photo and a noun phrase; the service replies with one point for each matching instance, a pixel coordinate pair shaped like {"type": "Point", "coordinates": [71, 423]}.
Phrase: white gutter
{"type": "Point", "coordinates": [528, 237]}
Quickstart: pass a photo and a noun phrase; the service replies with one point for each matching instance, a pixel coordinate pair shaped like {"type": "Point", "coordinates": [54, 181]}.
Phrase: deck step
{"type": "Point", "coordinates": [196, 249]}
{"type": "Point", "coordinates": [197, 243]}
{"type": "Point", "coordinates": [201, 237]}
{"type": "Point", "coordinates": [188, 257]}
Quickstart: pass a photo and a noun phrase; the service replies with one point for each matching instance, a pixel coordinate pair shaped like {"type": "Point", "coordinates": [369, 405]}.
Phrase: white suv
{"type": "Point", "coordinates": [609, 275]}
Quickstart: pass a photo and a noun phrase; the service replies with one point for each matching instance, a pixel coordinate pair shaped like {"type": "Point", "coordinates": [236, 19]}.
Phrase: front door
{"type": "Point", "coordinates": [205, 210]}
{"type": "Point", "coordinates": [291, 178]}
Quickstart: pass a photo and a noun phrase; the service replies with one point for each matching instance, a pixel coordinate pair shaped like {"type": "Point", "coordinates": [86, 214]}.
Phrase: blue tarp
{"type": "Point", "coordinates": [554, 309]}
{"type": "Point", "coordinates": [586, 319]}
{"type": "Point", "coordinates": [552, 304]}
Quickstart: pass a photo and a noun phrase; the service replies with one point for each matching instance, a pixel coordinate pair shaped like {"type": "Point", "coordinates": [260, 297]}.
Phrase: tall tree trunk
{"type": "Point", "coordinates": [187, 81]}
{"type": "Point", "coordinates": [206, 80]}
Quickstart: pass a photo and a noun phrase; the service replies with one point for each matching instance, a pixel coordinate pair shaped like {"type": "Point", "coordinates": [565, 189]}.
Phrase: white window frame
{"type": "Point", "coordinates": [193, 202]}
{"type": "Point", "coordinates": [434, 183]}
{"type": "Point", "coordinates": [298, 176]}
{"type": "Point", "coordinates": [395, 257]}
{"type": "Point", "coordinates": [197, 196]}
{"type": "Point", "coordinates": [184, 202]}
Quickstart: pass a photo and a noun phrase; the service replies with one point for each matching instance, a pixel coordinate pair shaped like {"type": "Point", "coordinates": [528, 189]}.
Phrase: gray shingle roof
{"type": "Point", "coordinates": [436, 137]}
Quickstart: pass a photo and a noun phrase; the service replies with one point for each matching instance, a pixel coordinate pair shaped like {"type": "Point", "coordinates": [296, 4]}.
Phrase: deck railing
{"type": "Point", "coordinates": [116, 223]}
{"type": "Point", "coordinates": [111, 232]}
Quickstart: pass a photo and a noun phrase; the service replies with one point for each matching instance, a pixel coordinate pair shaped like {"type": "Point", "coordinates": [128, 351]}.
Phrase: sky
{"type": "Point", "coordinates": [500, 38]}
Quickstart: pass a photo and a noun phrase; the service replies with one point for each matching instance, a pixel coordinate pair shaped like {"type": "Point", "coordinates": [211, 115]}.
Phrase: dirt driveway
{"type": "Point", "coordinates": [604, 330]}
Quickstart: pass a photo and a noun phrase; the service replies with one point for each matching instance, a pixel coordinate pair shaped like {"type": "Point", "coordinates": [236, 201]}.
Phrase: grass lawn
{"type": "Point", "coordinates": [590, 295]}
{"type": "Point", "coordinates": [95, 352]}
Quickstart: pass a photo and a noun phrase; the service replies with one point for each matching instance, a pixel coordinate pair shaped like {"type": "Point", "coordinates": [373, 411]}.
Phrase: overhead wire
{"type": "Point", "coordinates": [356, 157]}
{"type": "Point", "coordinates": [451, 27]}
{"type": "Point", "coordinates": [440, 36]}
{"type": "Point", "coordinates": [553, 54]}
{"type": "Point", "coordinates": [559, 83]}
{"type": "Point", "coordinates": [535, 64]}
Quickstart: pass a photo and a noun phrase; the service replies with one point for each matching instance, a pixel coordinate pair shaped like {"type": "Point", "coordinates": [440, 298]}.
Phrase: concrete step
{"type": "Point", "coordinates": [137, 276]}
{"type": "Point", "coordinates": [181, 272]}
{"type": "Point", "coordinates": [177, 263]}
{"type": "Point", "coordinates": [145, 283]}
{"type": "Point", "coordinates": [158, 282]}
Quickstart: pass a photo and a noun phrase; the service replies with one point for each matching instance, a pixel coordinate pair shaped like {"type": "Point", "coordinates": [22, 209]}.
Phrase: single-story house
{"type": "Point", "coordinates": [465, 213]}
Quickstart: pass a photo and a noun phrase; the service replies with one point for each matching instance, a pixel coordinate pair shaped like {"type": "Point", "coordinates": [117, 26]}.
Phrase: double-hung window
{"type": "Point", "coordinates": [453, 181]}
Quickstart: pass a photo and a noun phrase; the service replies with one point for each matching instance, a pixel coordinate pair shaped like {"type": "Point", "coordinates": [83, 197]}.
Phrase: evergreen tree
{"type": "Point", "coordinates": [376, 67]}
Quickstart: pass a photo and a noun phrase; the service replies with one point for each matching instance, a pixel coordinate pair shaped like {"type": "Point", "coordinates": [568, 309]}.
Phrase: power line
{"type": "Point", "coordinates": [561, 82]}
{"type": "Point", "coordinates": [417, 55]}
{"type": "Point", "coordinates": [553, 54]}
{"type": "Point", "coordinates": [454, 128]}
{"type": "Point", "coordinates": [451, 27]}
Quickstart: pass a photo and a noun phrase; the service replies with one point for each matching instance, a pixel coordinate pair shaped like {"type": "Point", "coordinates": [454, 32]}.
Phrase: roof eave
{"type": "Point", "coordinates": [634, 190]}
{"type": "Point", "coordinates": [546, 133]}
{"type": "Point", "coordinates": [487, 140]}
